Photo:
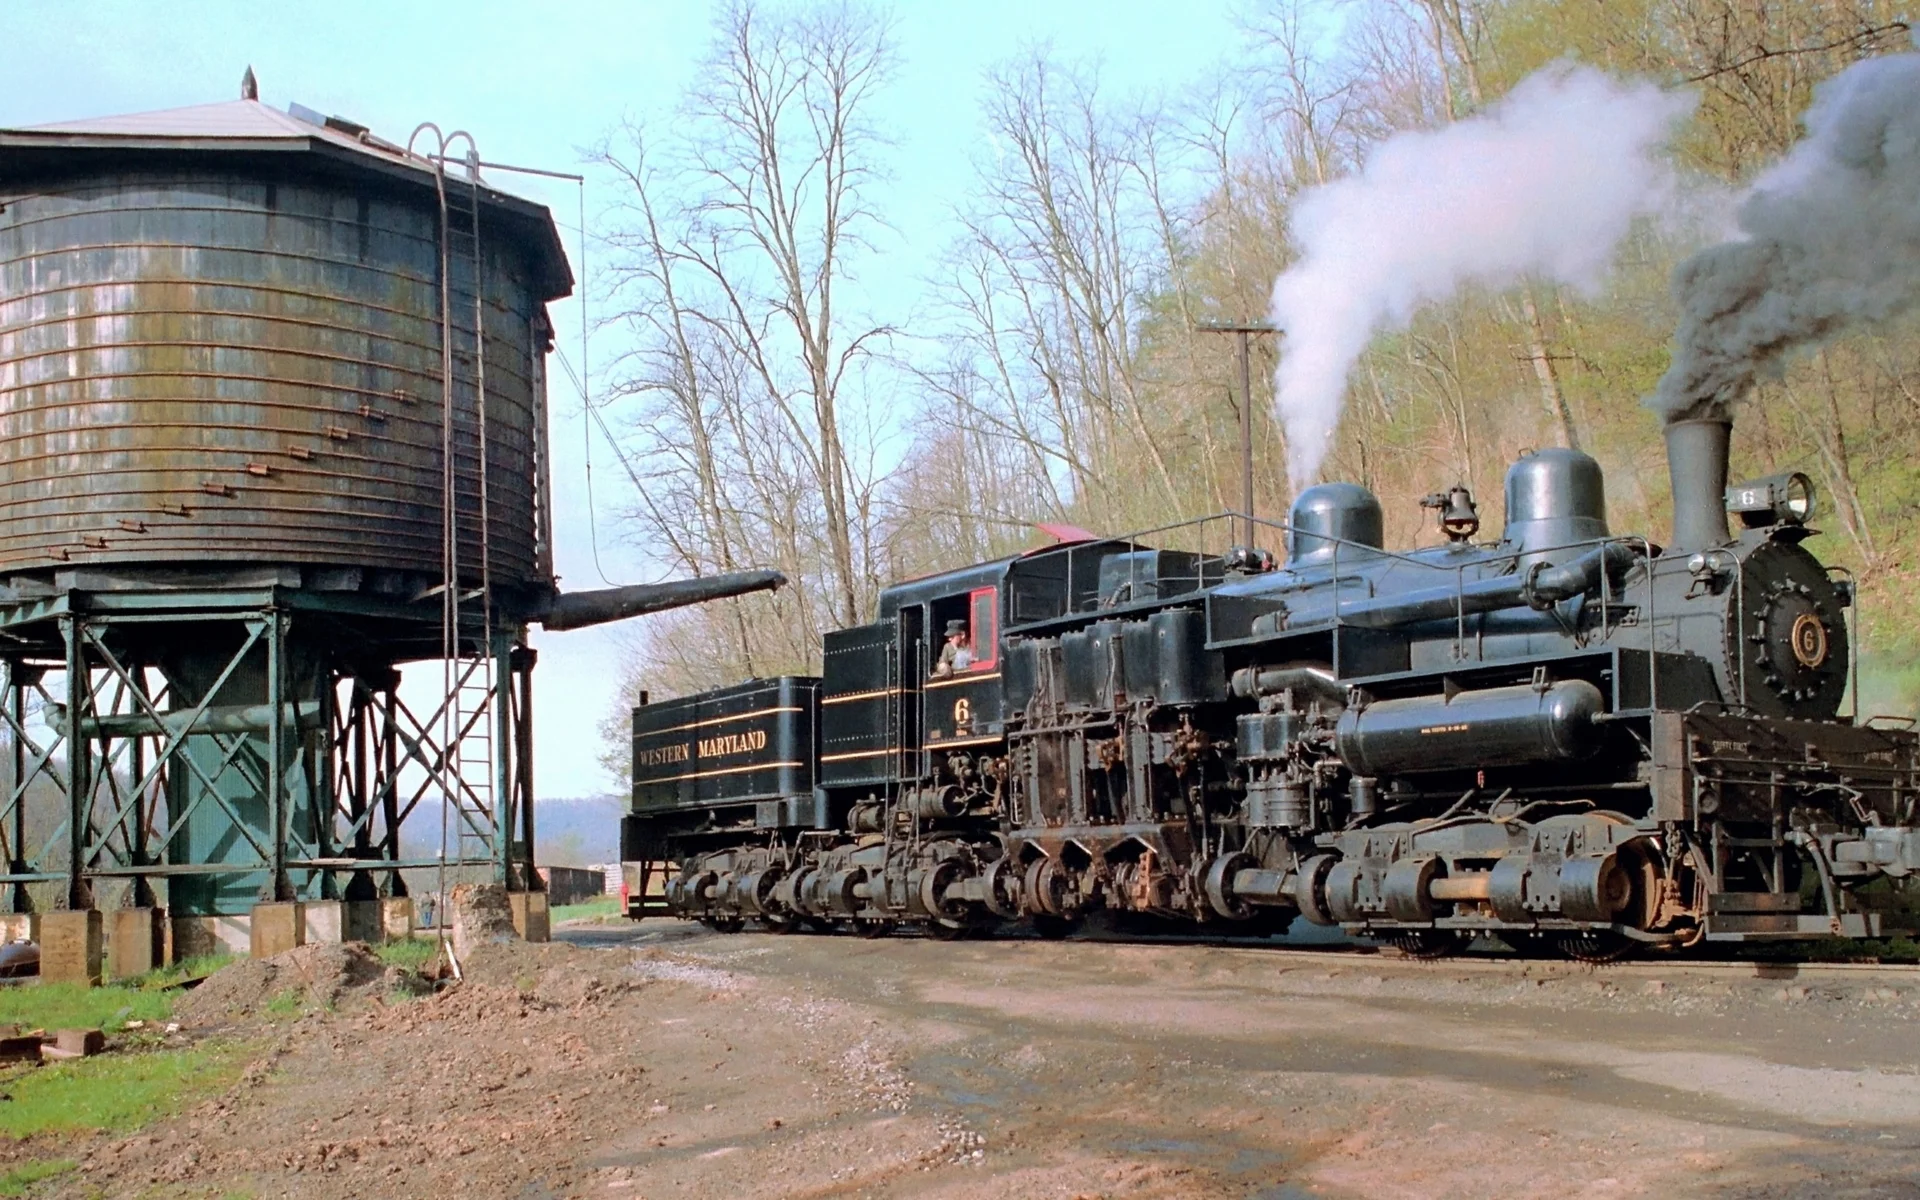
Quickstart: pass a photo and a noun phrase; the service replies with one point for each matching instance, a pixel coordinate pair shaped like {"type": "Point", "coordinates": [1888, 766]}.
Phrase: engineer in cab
{"type": "Point", "coordinates": [957, 654]}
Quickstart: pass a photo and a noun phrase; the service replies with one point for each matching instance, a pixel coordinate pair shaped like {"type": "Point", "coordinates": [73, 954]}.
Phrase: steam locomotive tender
{"type": "Point", "coordinates": [1565, 738]}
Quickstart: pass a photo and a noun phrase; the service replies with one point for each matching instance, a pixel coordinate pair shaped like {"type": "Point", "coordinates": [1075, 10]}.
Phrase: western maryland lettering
{"type": "Point", "coordinates": [721, 745]}
{"type": "Point", "coordinates": [663, 756]}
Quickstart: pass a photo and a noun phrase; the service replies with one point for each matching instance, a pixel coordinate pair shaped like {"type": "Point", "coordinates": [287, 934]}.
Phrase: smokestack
{"type": "Point", "coordinates": [578, 610]}
{"type": "Point", "coordinates": [1697, 464]}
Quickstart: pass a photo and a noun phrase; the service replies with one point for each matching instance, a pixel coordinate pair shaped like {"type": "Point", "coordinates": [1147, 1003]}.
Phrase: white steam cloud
{"type": "Point", "coordinates": [1544, 183]}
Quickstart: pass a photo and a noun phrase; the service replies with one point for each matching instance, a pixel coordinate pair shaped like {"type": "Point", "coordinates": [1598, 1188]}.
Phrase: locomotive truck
{"type": "Point", "coordinates": [1574, 740]}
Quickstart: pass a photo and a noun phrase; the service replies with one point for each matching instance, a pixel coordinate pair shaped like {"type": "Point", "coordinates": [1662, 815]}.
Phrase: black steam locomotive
{"type": "Point", "coordinates": [1568, 739]}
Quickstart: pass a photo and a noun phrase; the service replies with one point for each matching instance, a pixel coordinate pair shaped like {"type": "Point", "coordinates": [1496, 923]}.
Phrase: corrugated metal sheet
{"type": "Point", "coordinates": [198, 367]}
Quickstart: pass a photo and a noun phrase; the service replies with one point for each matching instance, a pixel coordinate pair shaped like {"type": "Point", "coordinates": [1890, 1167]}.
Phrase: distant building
{"type": "Point", "coordinates": [575, 885]}
{"type": "Point", "coordinates": [612, 873]}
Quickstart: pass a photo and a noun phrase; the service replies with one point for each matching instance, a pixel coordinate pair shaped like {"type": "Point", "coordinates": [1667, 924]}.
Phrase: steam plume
{"type": "Point", "coordinates": [1547, 182]}
{"type": "Point", "coordinates": [1831, 236]}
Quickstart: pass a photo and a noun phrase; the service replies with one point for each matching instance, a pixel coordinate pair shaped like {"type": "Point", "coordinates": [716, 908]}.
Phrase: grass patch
{"type": "Point", "coordinates": [19, 1180]}
{"type": "Point", "coordinates": [284, 1005]}
{"type": "Point", "coordinates": [149, 998]}
{"type": "Point", "coordinates": [198, 967]}
{"type": "Point", "coordinates": [414, 954]}
{"type": "Point", "coordinates": [75, 1006]}
{"type": "Point", "coordinates": [600, 909]}
{"type": "Point", "coordinates": [114, 1092]}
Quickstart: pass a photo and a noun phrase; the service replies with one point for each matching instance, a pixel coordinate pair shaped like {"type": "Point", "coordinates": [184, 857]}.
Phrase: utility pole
{"type": "Point", "coordinates": [1244, 332]}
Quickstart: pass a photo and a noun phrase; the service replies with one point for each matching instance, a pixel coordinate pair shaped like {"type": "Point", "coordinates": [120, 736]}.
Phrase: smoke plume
{"type": "Point", "coordinates": [1544, 183]}
{"type": "Point", "coordinates": [1830, 236]}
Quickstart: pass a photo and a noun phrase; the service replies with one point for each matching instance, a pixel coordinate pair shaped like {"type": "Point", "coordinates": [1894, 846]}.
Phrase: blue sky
{"type": "Point", "coordinates": [536, 84]}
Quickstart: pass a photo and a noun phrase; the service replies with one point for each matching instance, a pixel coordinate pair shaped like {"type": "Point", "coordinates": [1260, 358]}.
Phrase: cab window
{"type": "Point", "coordinates": [984, 628]}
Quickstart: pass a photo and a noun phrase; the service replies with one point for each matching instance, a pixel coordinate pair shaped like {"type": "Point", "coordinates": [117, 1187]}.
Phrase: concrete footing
{"type": "Point", "coordinates": [276, 927]}
{"type": "Point", "coordinates": [137, 942]}
{"type": "Point", "coordinates": [72, 946]}
{"type": "Point", "coordinates": [196, 936]}
{"type": "Point", "coordinates": [88, 945]}
{"type": "Point", "coordinates": [361, 921]}
{"type": "Point", "coordinates": [323, 922]}
{"type": "Point", "coordinates": [531, 916]}
{"type": "Point", "coordinates": [320, 921]}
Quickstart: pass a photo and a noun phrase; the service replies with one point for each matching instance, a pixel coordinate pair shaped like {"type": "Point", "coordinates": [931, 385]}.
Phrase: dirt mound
{"type": "Point", "coordinates": [317, 976]}
{"type": "Point", "coordinates": [480, 915]}
{"type": "Point", "coordinates": [551, 975]}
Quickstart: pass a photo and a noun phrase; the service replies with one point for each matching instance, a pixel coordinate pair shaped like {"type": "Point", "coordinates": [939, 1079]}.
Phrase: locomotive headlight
{"type": "Point", "coordinates": [1776, 500]}
{"type": "Point", "coordinates": [1796, 502]}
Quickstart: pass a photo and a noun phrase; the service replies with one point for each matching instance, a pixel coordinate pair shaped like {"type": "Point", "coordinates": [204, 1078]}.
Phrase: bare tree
{"type": "Point", "coordinates": [1071, 232]}
{"type": "Point", "coordinates": [734, 242]}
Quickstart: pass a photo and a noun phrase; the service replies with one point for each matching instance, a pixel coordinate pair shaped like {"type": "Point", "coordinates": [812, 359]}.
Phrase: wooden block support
{"type": "Point", "coordinates": [531, 917]}
{"type": "Point", "coordinates": [79, 1043]}
{"type": "Point", "coordinates": [277, 928]}
{"type": "Point", "coordinates": [137, 942]}
{"type": "Point", "coordinates": [72, 946]}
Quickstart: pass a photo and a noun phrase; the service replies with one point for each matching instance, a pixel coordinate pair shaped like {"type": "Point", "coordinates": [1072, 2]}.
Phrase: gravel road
{"type": "Point", "coordinates": [663, 1061]}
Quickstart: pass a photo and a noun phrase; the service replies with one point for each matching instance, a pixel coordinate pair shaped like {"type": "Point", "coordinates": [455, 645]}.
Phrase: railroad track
{"type": "Point", "coordinates": [1640, 968]}
{"type": "Point", "coordinates": [1360, 955]}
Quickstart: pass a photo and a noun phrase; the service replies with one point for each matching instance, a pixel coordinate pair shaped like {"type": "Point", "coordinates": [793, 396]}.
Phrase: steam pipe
{"type": "Point", "coordinates": [578, 610]}
{"type": "Point", "coordinates": [1311, 679]}
{"type": "Point", "coordinates": [1539, 586]}
{"type": "Point", "coordinates": [1697, 464]}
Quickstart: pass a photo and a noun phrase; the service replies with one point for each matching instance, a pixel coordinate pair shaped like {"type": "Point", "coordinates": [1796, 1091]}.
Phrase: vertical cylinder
{"type": "Point", "coordinates": [1697, 465]}
{"type": "Point", "coordinates": [277, 758]}
{"type": "Point", "coordinates": [523, 660]}
{"type": "Point", "coordinates": [388, 704]}
{"type": "Point", "coordinates": [1363, 796]}
{"type": "Point", "coordinates": [79, 762]}
{"type": "Point", "coordinates": [15, 700]}
{"type": "Point", "coordinates": [1295, 807]}
{"type": "Point", "coordinates": [134, 829]}
{"type": "Point", "coordinates": [501, 714]}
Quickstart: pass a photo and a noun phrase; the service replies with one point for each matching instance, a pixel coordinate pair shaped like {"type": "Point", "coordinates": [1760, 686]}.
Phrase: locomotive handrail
{"type": "Point", "coordinates": [1601, 561]}
{"type": "Point", "coordinates": [1230, 516]}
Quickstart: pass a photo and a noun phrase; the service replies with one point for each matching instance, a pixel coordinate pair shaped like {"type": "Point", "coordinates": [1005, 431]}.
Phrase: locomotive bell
{"type": "Point", "coordinates": [1333, 518]}
{"type": "Point", "coordinates": [1555, 497]}
{"type": "Point", "coordinates": [1459, 515]}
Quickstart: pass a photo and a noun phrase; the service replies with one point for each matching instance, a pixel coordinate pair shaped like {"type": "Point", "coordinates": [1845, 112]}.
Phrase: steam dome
{"type": "Point", "coordinates": [1330, 517]}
